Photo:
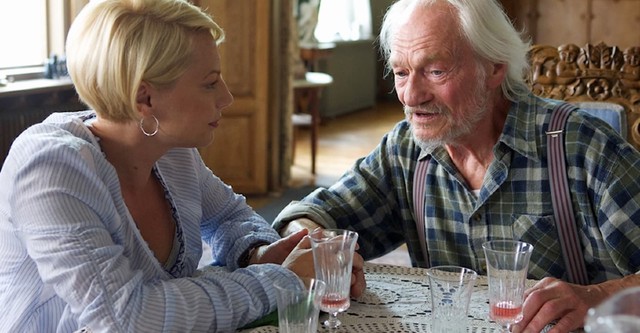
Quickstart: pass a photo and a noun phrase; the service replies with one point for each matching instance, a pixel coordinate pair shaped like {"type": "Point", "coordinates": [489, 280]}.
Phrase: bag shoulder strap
{"type": "Point", "coordinates": [561, 196]}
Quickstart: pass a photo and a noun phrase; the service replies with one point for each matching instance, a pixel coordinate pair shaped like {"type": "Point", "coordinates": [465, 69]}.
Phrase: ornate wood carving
{"type": "Point", "coordinates": [599, 73]}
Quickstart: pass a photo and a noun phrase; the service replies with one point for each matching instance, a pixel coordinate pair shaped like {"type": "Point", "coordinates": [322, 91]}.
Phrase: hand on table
{"type": "Point", "coordinates": [300, 260]}
{"type": "Point", "coordinates": [277, 252]}
{"type": "Point", "coordinates": [304, 225]}
{"type": "Point", "coordinates": [551, 300]}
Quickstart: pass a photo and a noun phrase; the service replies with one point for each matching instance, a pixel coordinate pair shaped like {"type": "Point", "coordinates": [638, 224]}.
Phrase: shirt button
{"type": "Point", "coordinates": [477, 217]}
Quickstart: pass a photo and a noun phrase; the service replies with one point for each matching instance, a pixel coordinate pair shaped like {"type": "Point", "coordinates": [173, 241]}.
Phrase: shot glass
{"type": "Point", "coordinates": [299, 305]}
{"type": "Point", "coordinates": [451, 288]}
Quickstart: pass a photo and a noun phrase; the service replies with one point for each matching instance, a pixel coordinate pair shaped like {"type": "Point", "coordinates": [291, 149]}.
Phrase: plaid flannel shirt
{"type": "Point", "coordinates": [374, 198]}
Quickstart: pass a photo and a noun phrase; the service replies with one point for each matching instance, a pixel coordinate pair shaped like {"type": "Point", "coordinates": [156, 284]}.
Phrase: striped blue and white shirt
{"type": "Point", "coordinates": [375, 198]}
{"type": "Point", "coordinates": [72, 256]}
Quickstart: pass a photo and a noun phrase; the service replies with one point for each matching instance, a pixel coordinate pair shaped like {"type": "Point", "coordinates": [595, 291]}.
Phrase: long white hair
{"type": "Point", "coordinates": [487, 28]}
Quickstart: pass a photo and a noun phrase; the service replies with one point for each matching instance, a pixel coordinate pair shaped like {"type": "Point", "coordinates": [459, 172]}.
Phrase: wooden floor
{"type": "Point", "coordinates": [342, 140]}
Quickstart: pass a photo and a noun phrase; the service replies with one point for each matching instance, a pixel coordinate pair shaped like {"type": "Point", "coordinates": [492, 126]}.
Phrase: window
{"type": "Point", "coordinates": [24, 33]}
{"type": "Point", "coordinates": [343, 20]}
{"type": "Point", "coordinates": [30, 32]}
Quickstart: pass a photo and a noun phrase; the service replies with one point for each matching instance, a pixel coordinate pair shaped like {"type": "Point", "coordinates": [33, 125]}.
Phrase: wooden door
{"type": "Point", "coordinates": [238, 154]}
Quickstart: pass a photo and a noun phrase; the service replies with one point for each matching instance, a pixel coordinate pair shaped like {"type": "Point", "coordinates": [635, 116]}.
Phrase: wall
{"type": "Point", "coordinates": [384, 88]}
{"type": "Point", "coordinates": [353, 68]}
{"type": "Point", "coordinates": [23, 104]}
{"type": "Point", "coordinates": [556, 22]}
{"type": "Point", "coordinates": [357, 70]}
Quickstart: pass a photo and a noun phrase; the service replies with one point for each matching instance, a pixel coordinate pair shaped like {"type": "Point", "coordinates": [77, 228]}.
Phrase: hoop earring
{"type": "Point", "coordinates": [155, 131]}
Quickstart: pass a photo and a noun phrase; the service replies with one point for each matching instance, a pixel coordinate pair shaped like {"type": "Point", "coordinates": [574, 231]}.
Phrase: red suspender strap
{"type": "Point", "coordinates": [419, 186]}
{"type": "Point", "coordinates": [561, 198]}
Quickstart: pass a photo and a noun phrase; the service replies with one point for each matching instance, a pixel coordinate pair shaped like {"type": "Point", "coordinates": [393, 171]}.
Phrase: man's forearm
{"type": "Point", "coordinates": [613, 286]}
{"type": "Point", "coordinates": [298, 224]}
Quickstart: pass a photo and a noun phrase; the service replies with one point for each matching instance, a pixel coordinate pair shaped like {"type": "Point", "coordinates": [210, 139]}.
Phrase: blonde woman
{"type": "Point", "coordinates": [103, 212]}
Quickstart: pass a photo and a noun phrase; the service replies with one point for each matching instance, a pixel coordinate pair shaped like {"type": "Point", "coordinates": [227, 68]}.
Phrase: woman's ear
{"type": "Point", "coordinates": [143, 97]}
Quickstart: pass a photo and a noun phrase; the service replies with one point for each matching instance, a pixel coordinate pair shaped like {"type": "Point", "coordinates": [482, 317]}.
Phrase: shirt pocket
{"type": "Point", "coordinates": [540, 231]}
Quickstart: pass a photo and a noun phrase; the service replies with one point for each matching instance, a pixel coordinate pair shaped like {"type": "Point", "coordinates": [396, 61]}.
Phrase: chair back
{"type": "Point", "coordinates": [602, 80]}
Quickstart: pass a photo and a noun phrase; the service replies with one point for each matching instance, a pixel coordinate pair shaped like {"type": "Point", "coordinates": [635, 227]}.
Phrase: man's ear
{"type": "Point", "coordinates": [143, 97]}
{"type": "Point", "coordinates": [496, 75]}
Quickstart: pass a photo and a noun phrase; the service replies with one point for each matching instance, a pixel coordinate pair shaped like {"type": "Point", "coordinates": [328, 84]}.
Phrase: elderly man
{"type": "Point", "coordinates": [479, 134]}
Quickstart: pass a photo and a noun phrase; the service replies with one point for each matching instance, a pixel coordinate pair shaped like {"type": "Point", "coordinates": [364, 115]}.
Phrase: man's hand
{"type": "Point", "coordinates": [552, 299]}
{"type": "Point", "coordinates": [567, 304]}
{"type": "Point", "coordinates": [300, 261]}
{"type": "Point", "coordinates": [358, 282]}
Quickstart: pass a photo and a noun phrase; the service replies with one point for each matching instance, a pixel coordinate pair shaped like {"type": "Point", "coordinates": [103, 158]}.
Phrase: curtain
{"type": "Point", "coordinates": [344, 20]}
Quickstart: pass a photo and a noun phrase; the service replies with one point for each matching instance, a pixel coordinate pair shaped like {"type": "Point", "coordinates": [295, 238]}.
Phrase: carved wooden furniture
{"type": "Point", "coordinates": [593, 73]}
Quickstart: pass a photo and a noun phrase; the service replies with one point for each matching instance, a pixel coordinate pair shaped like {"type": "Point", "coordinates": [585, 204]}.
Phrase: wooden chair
{"type": "Point", "coordinates": [599, 78]}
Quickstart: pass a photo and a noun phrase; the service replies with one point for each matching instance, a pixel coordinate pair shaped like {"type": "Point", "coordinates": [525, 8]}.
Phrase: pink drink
{"type": "Point", "coordinates": [334, 303]}
{"type": "Point", "coordinates": [506, 311]}
{"type": "Point", "coordinates": [333, 260]}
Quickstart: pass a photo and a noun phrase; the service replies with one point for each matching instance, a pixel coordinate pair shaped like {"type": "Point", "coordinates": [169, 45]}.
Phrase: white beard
{"type": "Point", "coordinates": [477, 101]}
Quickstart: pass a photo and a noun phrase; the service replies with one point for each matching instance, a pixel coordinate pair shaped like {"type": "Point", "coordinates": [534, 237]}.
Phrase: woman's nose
{"type": "Point", "coordinates": [225, 98]}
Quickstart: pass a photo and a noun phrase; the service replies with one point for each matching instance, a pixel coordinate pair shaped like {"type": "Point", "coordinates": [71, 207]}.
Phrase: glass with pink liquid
{"type": "Point", "coordinates": [507, 267]}
{"type": "Point", "coordinates": [333, 260]}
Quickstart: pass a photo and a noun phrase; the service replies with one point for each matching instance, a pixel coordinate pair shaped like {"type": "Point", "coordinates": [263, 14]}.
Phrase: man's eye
{"type": "Point", "coordinates": [437, 73]}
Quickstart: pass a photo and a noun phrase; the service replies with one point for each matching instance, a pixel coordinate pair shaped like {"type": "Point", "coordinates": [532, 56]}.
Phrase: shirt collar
{"type": "Point", "coordinates": [523, 129]}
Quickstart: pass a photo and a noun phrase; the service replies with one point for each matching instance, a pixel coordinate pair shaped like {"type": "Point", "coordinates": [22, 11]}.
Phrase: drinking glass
{"type": "Point", "coordinates": [619, 313]}
{"type": "Point", "coordinates": [298, 305]}
{"type": "Point", "coordinates": [333, 260]}
{"type": "Point", "coordinates": [451, 288]}
{"type": "Point", "coordinates": [507, 266]}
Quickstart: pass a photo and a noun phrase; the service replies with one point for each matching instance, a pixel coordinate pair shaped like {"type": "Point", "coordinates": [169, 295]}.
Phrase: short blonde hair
{"type": "Point", "coordinates": [115, 45]}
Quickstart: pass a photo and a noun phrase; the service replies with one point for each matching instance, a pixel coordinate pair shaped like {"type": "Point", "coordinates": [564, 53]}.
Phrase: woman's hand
{"type": "Point", "coordinates": [294, 252]}
{"type": "Point", "coordinates": [277, 252]}
{"type": "Point", "coordinates": [300, 260]}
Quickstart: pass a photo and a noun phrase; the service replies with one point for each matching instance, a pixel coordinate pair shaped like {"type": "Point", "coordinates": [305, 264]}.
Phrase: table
{"type": "Point", "coordinates": [312, 53]}
{"type": "Point", "coordinates": [306, 107]}
{"type": "Point", "coordinates": [397, 299]}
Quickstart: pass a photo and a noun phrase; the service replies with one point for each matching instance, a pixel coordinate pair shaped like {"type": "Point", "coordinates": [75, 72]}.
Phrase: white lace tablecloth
{"type": "Point", "coordinates": [397, 299]}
